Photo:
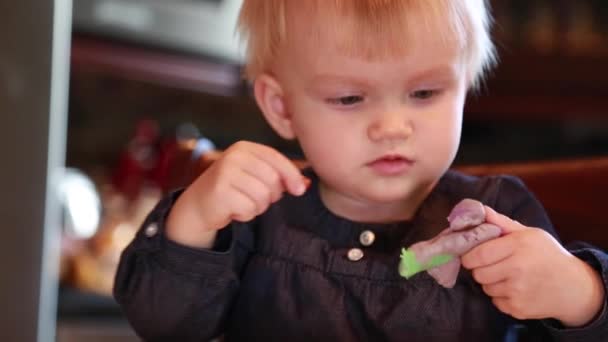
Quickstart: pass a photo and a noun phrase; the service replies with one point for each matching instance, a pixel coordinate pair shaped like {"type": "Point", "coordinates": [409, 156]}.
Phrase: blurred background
{"type": "Point", "coordinates": [154, 85]}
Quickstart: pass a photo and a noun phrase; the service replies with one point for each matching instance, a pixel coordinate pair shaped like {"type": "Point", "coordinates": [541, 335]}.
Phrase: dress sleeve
{"type": "Point", "coordinates": [516, 201]}
{"type": "Point", "coordinates": [172, 292]}
{"type": "Point", "coordinates": [597, 329]}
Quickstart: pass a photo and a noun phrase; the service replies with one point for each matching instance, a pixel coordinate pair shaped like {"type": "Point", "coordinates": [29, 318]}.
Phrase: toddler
{"type": "Point", "coordinates": [373, 91]}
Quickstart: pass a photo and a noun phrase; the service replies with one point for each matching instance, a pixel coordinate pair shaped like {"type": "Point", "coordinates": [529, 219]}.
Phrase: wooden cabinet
{"type": "Point", "coordinates": [536, 87]}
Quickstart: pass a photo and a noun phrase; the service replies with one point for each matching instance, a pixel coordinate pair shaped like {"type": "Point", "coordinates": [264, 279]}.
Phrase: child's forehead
{"type": "Point", "coordinates": [393, 30]}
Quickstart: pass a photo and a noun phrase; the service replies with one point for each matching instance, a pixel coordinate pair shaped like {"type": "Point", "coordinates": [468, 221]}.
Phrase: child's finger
{"type": "Point", "coordinates": [492, 274]}
{"type": "Point", "coordinates": [499, 289]}
{"type": "Point", "coordinates": [489, 253]}
{"type": "Point", "coordinates": [255, 190]}
{"type": "Point", "coordinates": [505, 223]}
{"type": "Point", "coordinates": [290, 174]}
{"type": "Point", "coordinates": [267, 175]}
{"type": "Point", "coordinates": [242, 207]}
{"type": "Point", "coordinates": [503, 304]}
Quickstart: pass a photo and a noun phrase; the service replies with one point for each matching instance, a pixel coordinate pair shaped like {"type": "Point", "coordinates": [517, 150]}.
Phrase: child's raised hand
{"type": "Point", "coordinates": [240, 185]}
{"type": "Point", "coordinates": [529, 275]}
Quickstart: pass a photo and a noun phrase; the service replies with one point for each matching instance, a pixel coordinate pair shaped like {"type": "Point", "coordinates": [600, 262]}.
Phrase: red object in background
{"type": "Point", "coordinates": [138, 160]}
{"type": "Point", "coordinates": [162, 172]}
{"type": "Point", "coordinates": [150, 160]}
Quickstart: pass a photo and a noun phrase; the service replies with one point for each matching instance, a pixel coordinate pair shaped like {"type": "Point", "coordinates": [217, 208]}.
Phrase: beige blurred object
{"type": "Point", "coordinates": [94, 267]}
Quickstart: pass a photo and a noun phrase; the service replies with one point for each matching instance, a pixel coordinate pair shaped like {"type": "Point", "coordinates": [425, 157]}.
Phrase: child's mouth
{"type": "Point", "coordinates": [391, 165]}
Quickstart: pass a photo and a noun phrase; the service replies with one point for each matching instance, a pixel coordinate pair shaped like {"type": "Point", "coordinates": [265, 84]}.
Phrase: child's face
{"type": "Point", "coordinates": [347, 112]}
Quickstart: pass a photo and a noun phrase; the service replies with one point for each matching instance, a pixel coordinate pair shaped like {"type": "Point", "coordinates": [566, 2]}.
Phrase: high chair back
{"type": "Point", "coordinates": [572, 191]}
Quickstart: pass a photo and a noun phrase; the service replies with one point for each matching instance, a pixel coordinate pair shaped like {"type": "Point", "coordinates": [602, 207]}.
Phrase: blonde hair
{"type": "Point", "coordinates": [263, 27]}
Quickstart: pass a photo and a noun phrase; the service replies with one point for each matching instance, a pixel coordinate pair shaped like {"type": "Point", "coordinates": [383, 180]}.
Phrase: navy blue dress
{"type": "Point", "coordinates": [286, 276]}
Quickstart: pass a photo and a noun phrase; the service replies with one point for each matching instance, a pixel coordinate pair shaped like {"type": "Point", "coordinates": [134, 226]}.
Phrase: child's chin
{"type": "Point", "coordinates": [395, 194]}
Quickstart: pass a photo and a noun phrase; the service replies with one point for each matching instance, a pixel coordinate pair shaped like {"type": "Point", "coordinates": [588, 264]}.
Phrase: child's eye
{"type": "Point", "coordinates": [346, 100]}
{"type": "Point", "coordinates": [424, 94]}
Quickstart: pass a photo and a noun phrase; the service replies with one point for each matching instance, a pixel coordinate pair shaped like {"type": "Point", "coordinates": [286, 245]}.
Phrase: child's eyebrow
{"type": "Point", "coordinates": [443, 72]}
{"type": "Point", "coordinates": [324, 79]}
{"type": "Point", "coordinates": [440, 72]}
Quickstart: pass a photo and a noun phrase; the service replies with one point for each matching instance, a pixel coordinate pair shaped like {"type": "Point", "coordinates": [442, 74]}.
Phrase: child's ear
{"type": "Point", "coordinates": [271, 99]}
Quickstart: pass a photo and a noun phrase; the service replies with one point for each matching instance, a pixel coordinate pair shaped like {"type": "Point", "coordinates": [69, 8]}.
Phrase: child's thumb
{"type": "Point", "coordinates": [505, 223]}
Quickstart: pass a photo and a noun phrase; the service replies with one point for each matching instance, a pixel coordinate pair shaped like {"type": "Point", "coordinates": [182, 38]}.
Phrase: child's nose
{"type": "Point", "coordinates": [390, 126]}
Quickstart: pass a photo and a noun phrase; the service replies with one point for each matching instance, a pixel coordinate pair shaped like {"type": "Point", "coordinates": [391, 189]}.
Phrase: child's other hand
{"type": "Point", "coordinates": [240, 185]}
{"type": "Point", "coordinates": [529, 275]}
